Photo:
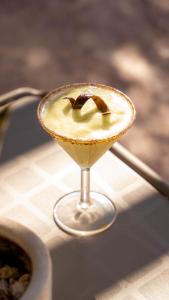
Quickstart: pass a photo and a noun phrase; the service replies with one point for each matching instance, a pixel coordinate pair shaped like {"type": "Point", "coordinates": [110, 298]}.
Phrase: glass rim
{"type": "Point", "coordinates": [82, 141]}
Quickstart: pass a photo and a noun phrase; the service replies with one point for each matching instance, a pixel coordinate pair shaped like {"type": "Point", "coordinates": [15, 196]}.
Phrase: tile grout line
{"type": "Point", "coordinates": [37, 212]}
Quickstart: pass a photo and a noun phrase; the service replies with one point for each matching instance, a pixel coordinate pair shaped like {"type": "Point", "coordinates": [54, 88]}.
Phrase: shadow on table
{"type": "Point", "coordinates": [84, 268]}
{"type": "Point", "coordinates": [24, 132]}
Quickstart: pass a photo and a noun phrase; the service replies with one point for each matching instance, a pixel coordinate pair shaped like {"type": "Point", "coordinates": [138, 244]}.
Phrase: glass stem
{"type": "Point", "coordinates": [85, 200]}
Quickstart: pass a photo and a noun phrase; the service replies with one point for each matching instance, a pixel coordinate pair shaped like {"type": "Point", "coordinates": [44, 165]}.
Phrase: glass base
{"type": "Point", "coordinates": [82, 219]}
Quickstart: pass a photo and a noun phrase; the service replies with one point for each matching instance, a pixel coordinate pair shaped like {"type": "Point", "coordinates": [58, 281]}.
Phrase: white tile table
{"type": "Point", "coordinates": [130, 261]}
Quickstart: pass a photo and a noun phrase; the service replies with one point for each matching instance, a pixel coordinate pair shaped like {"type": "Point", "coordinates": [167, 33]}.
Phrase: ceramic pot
{"type": "Point", "coordinates": [39, 287]}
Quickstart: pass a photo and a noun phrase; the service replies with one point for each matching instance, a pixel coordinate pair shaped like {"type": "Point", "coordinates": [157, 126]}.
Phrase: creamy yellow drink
{"type": "Point", "coordinates": [87, 132]}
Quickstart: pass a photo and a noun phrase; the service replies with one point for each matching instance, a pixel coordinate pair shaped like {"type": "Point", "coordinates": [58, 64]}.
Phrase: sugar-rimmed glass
{"type": "Point", "coordinates": [83, 212]}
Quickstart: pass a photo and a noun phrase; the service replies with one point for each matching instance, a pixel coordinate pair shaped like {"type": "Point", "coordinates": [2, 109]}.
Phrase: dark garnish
{"type": "Point", "coordinates": [81, 100]}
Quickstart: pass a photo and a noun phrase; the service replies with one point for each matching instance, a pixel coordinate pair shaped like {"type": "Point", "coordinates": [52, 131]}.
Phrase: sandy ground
{"type": "Point", "coordinates": [124, 44]}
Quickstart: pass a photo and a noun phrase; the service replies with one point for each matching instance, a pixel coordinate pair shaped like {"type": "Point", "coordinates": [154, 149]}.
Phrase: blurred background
{"type": "Point", "coordinates": [124, 43]}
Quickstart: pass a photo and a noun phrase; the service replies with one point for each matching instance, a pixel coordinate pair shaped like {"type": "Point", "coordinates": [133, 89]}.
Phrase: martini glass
{"type": "Point", "coordinates": [83, 212]}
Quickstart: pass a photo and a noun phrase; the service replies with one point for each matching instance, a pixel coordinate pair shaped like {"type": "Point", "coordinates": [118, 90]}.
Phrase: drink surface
{"type": "Point", "coordinates": [87, 123]}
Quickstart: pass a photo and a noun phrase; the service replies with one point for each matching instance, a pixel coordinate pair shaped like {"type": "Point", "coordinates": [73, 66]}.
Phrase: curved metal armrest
{"type": "Point", "coordinates": [19, 93]}
{"type": "Point", "coordinates": [141, 168]}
